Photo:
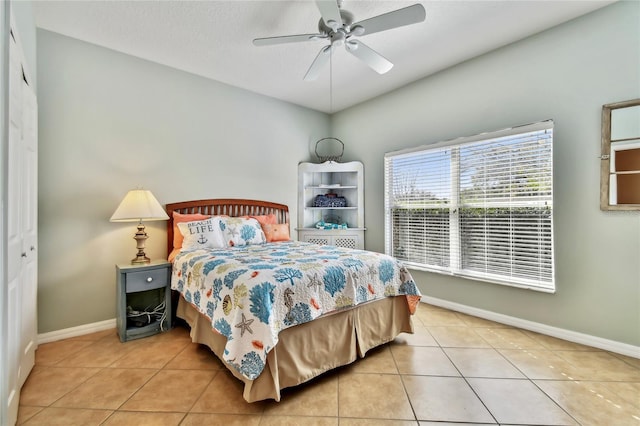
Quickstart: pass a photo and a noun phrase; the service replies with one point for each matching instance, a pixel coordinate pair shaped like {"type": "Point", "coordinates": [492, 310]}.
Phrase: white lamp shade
{"type": "Point", "coordinates": [139, 205]}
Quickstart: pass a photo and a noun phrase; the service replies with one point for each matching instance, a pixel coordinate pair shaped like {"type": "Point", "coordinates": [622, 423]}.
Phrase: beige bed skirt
{"type": "Point", "coordinates": [308, 350]}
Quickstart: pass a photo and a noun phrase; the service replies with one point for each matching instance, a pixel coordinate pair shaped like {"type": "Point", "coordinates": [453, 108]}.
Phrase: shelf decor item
{"type": "Point", "coordinates": [329, 200]}
{"type": "Point", "coordinates": [137, 206]}
{"type": "Point", "coordinates": [330, 155]}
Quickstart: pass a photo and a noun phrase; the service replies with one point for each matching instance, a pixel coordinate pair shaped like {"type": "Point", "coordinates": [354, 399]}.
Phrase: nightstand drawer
{"type": "Point", "coordinates": [146, 280]}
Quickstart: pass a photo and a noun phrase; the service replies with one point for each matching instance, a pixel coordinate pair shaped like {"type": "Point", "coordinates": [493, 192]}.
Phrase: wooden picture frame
{"type": "Point", "coordinates": [620, 156]}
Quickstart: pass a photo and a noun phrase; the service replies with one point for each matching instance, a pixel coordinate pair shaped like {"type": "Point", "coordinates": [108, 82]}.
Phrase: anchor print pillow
{"type": "Point", "coordinates": [202, 234]}
{"type": "Point", "coordinates": [239, 231]}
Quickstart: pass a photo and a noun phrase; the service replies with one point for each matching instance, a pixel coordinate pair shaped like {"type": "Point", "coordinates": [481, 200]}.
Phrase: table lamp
{"type": "Point", "coordinates": [137, 206]}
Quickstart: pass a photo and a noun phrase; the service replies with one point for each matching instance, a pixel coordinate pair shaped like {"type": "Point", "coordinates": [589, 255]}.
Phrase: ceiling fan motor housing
{"type": "Point", "coordinates": [335, 31]}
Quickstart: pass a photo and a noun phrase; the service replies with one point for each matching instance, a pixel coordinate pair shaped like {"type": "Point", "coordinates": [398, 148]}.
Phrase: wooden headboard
{"type": "Point", "coordinates": [229, 207]}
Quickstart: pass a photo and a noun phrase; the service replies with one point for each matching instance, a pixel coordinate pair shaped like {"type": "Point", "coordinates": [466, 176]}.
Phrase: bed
{"type": "Point", "coordinates": [279, 312]}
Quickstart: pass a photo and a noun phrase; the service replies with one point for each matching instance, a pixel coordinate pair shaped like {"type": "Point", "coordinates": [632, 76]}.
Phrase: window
{"type": "Point", "coordinates": [479, 207]}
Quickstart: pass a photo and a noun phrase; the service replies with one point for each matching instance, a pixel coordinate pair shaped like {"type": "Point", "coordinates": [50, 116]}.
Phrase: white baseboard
{"type": "Point", "coordinates": [80, 330]}
{"type": "Point", "coordinates": [560, 333]}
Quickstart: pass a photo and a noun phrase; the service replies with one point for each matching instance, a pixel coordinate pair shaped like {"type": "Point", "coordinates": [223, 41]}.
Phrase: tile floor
{"type": "Point", "coordinates": [455, 369]}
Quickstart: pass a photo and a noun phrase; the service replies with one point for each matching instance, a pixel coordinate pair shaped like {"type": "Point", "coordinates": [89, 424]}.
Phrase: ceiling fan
{"type": "Point", "coordinates": [336, 26]}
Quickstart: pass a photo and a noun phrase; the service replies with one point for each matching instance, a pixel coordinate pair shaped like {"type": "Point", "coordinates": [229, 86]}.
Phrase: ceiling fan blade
{"type": "Point", "coordinates": [376, 61]}
{"type": "Point", "coordinates": [318, 63]}
{"type": "Point", "coordinates": [330, 13]}
{"type": "Point", "coordinates": [266, 41]}
{"type": "Point", "coordinates": [397, 18]}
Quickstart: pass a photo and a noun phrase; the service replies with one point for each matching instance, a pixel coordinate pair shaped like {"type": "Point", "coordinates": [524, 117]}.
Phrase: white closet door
{"type": "Point", "coordinates": [21, 217]}
{"type": "Point", "coordinates": [15, 258]}
{"type": "Point", "coordinates": [29, 293]}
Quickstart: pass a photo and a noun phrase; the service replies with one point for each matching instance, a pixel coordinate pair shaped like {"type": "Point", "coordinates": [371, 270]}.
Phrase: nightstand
{"type": "Point", "coordinates": [143, 299]}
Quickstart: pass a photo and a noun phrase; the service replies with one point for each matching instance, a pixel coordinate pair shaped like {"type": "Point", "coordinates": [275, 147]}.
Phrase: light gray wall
{"type": "Point", "coordinates": [110, 122]}
{"type": "Point", "coordinates": [565, 74]}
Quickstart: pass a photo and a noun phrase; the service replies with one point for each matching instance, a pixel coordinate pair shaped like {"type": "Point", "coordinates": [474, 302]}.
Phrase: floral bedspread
{"type": "Point", "coordinates": [253, 292]}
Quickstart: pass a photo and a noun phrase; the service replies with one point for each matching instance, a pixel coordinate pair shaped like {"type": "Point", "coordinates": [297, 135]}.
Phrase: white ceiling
{"type": "Point", "coordinates": [213, 39]}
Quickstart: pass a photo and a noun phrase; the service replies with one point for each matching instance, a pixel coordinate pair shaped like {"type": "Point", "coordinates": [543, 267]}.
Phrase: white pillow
{"type": "Point", "coordinates": [202, 234]}
{"type": "Point", "coordinates": [241, 231]}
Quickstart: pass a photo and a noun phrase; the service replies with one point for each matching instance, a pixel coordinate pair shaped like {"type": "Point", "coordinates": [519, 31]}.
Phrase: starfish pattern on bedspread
{"type": "Point", "coordinates": [244, 325]}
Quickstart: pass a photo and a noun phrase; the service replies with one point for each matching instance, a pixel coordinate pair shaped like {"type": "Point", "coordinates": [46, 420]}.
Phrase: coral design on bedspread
{"type": "Point", "coordinates": [253, 292]}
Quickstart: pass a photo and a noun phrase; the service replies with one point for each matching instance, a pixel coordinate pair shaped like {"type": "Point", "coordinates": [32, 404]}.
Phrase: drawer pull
{"type": "Point", "coordinates": [149, 279]}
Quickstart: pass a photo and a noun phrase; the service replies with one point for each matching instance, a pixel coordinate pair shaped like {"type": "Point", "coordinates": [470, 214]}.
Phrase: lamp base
{"type": "Point", "coordinates": [140, 237]}
{"type": "Point", "coordinates": [140, 260]}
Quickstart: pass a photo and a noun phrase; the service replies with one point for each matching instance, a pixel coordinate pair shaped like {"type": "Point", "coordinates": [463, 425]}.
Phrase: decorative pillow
{"type": "Point", "coordinates": [276, 232]}
{"type": "Point", "coordinates": [239, 231]}
{"type": "Point", "coordinates": [202, 234]}
{"type": "Point", "coordinates": [173, 253]}
{"type": "Point", "coordinates": [178, 218]}
{"type": "Point", "coordinates": [262, 219]}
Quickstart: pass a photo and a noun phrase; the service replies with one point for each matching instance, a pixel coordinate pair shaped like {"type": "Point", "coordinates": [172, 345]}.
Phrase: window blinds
{"type": "Point", "coordinates": [479, 207]}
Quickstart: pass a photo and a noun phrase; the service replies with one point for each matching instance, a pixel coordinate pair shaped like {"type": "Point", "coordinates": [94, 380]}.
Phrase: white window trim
{"type": "Point", "coordinates": [455, 246]}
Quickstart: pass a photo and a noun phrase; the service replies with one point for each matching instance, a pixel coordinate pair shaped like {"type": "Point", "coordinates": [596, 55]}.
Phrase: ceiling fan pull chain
{"type": "Point", "coordinates": [331, 82]}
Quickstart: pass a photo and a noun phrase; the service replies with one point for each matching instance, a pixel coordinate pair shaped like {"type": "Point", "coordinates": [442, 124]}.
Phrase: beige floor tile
{"type": "Point", "coordinates": [184, 383]}
{"type": "Point", "coordinates": [634, 362]}
{"type": "Point", "coordinates": [456, 424]}
{"type": "Point", "coordinates": [25, 412]}
{"type": "Point", "coordinates": [526, 403]}
{"type": "Point", "coordinates": [439, 317]}
{"type": "Point", "coordinates": [541, 364]}
{"type": "Point", "coordinates": [589, 407]}
{"type": "Point", "coordinates": [137, 418]}
{"type": "Point", "coordinates": [153, 354]}
{"type": "Point", "coordinates": [420, 337]}
{"type": "Point", "coordinates": [476, 362]}
{"type": "Point", "coordinates": [298, 420]}
{"type": "Point", "coordinates": [458, 337]}
{"type": "Point", "coordinates": [108, 389]}
{"type": "Point", "coordinates": [176, 336]}
{"type": "Point", "coordinates": [621, 392]}
{"type": "Point", "coordinates": [318, 397]}
{"type": "Point", "coordinates": [376, 422]}
{"type": "Point", "coordinates": [99, 354]}
{"type": "Point", "coordinates": [446, 399]}
{"type": "Point", "coordinates": [377, 360]}
{"type": "Point", "coordinates": [201, 419]}
{"type": "Point", "coordinates": [206, 419]}
{"type": "Point", "coordinates": [474, 322]}
{"type": "Point", "coordinates": [375, 396]}
{"type": "Point", "coordinates": [170, 390]}
{"type": "Point", "coordinates": [600, 365]}
{"type": "Point", "coordinates": [419, 360]}
{"type": "Point", "coordinates": [98, 335]}
{"type": "Point", "coordinates": [68, 417]}
{"type": "Point", "coordinates": [47, 384]}
{"type": "Point", "coordinates": [554, 343]}
{"type": "Point", "coordinates": [508, 338]}
{"type": "Point", "coordinates": [53, 353]}
{"type": "Point", "coordinates": [195, 357]}
{"type": "Point", "coordinates": [223, 395]}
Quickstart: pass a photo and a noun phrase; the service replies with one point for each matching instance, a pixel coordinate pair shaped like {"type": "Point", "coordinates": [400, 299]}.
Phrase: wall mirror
{"type": "Point", "coordinates": [620, 156]}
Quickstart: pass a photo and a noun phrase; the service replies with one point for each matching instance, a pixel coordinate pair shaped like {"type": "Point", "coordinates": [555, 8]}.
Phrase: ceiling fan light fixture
{"type": "Point", "coordinates": [357, 30]}
{"type": "Point", "coordinates": [332, 24]}
{"type": "Point", "coordinates": [338, 38]}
